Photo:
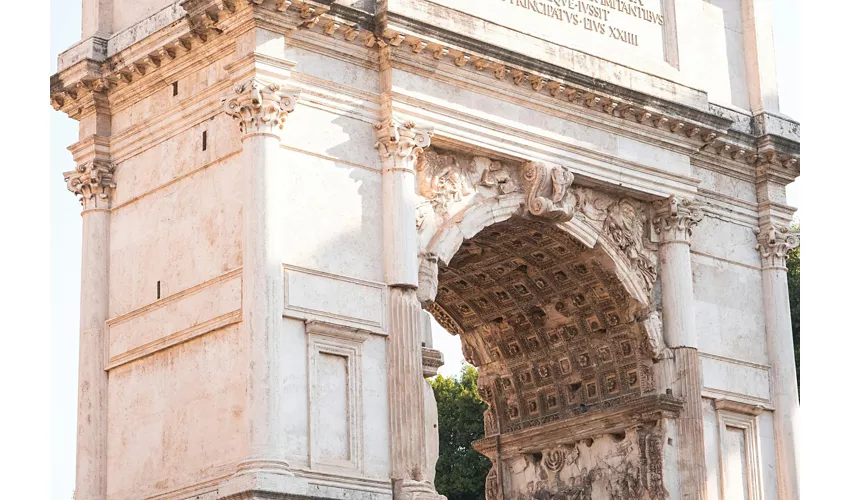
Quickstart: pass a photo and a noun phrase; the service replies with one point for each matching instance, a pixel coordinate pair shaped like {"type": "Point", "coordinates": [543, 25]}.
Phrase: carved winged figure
{"type": "Point", "coordinates": [655, 337]}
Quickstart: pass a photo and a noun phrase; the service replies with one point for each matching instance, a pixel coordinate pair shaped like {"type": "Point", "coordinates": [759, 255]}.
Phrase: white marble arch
{"type": "Point", "coordinates": [463, 225]}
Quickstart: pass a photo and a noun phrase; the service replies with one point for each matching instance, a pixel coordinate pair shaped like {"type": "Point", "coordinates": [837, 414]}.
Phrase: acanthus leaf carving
{"type": "Point", "coordinates": [93, 183]}
{"type": "Point", "coordinates": [401, 139]}
{"type": "Point", "coordinates": [674, 218]}
{"type": "Point", "coordinates": [260, 107]}
{"type": "Point", "coordinates": [774, 243]}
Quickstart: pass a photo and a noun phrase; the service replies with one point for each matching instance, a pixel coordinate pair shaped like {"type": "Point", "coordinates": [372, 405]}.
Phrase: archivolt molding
{"type": "Point", "coordinates": [460, 194]}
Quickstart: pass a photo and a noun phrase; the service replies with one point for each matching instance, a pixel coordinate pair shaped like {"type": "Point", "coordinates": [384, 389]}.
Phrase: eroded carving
{"type": "Point", "coordinates": [401, 139]}
{"type": "Point", "coordinates": [93, 183]}
{"type": "Point", "coordinates": [546, 187]}
{"type": "Point", "coordinates": [655, 337]}
{"type": "Point", "coordinates": [448, 183]}
{"type": "Point", "coordinates": [774, 243]}
{"type": "Point", "coordinates": [624, 466]}
{"type": "Point", "coordinates": [675, 218]}
{"type": "Point", "coordinates": [260, 107]}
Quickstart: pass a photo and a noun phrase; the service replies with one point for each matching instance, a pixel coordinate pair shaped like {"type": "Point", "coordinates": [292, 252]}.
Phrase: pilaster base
{"type": "Point", "coordinates": [408, 489]}
{"type": "Point", "coordinates": [265, 485]}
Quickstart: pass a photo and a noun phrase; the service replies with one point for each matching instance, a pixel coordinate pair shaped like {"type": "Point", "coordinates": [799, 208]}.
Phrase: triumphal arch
{"type": "Point", "coordinates": [278, 195]}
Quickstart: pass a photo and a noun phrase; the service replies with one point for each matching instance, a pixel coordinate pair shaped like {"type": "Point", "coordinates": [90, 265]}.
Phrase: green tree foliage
{"type": "Point", "coordinates": [793, 264]}
{"type": "Point", "coordinates": [461, 471]}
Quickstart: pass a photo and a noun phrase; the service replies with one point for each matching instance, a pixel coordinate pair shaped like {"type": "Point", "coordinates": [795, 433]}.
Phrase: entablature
{"type": "Point", "coordinates": [714, 134]}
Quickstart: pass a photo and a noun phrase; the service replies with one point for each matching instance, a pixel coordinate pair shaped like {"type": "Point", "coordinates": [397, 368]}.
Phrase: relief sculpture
{"type": "Point", "coordinates": [624, 466]}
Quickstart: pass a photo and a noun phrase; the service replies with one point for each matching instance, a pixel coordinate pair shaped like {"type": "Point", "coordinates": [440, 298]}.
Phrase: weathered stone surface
{"type": "Point", "coordinates": [591, 194]}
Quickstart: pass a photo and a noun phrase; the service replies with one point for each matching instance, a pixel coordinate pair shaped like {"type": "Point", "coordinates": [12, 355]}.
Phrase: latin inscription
{"type": "Point", "coordinates": [604, 17]}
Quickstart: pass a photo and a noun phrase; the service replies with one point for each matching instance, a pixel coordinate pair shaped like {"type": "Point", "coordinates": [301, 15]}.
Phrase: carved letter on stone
{"type": "Point", "coordinates": [546, 187]}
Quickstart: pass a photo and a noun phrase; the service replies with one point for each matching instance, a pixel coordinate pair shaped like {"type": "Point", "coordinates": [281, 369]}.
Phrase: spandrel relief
{"type": "Point", "coordinates": [451, 183]}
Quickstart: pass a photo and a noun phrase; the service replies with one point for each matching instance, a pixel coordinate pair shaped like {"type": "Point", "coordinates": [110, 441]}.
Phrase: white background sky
{"type": "Point", "coordinates": [65, 234]}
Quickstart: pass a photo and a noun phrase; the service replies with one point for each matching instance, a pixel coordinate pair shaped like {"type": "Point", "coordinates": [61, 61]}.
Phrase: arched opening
{"type": "Point", "coordinates": [564, 362]}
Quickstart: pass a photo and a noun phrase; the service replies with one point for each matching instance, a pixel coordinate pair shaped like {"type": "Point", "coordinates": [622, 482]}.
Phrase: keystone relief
{"type": "Point", "coordinates": [450, 183]}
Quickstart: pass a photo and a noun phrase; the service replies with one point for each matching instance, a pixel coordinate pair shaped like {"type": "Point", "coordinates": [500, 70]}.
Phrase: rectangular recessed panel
{"type": "Point", "coordinates": [333, 439]}
{"type": "Point", "coordinates": [736, 483]}
{"type": "Point", "coordinates": [736, 379]}
{"type": "Point", "coordinates": [337, 299]}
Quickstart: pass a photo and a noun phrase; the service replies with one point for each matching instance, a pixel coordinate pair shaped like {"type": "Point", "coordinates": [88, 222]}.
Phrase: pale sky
{"type": "Point", "coordinates": [65, 234]}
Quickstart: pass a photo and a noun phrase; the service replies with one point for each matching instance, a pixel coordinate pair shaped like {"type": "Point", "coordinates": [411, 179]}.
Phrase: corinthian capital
{"type": "Point", "coordinates": [403, 140]}
{"type": "Point", "coordinates": [93, 183]}
{"type": "Point", "coordinates": [260, 107]}
{"type": "Point", "coordinates": [774, 244]}
{"type": "Point", "coordinates": [673, 219]}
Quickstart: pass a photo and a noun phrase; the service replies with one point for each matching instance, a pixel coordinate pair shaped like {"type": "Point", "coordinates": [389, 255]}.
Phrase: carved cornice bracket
{"type": "Point", "coordinates": [261, 108]}
{"type": "Point", "coordinates": [402, 140]}
{"type": "Point", "coordinates": [774, 243]}
{"type": "Point", "coordinates": [673, 219]}
{"type": "Point", "coordinates": [93, 183]}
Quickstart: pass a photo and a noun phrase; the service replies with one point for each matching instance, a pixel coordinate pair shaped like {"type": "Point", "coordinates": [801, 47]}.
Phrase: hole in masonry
{"type": "Point", "coordinates": [158, 290]}
{"type": "Point", "coordinates": [174, 88]}
{"type": "Point", "coordinates": [204, 141]}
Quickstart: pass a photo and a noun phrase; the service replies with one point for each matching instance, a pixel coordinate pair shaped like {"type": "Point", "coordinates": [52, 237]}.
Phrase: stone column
{"type": "Point", "coordinates": [673, 220]}
{"type": "Point", "coordinates": [93, 183]}
{"type": "Point", "coordinates": [261, 109]}
{"type": "Point", "coordinates": [399, 145]}
{"type": "Point", "coordinates": [774, 244]}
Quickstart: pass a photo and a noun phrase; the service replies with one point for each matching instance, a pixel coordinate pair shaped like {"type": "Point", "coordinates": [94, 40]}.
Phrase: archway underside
{"type": "Point", "coordinates": [558, 342]}
{"type": "Point", "coordinates": [546, 321]}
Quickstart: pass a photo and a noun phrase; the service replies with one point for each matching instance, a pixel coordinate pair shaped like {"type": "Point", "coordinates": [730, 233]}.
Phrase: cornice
{"type": "Point", "coordinates": [645, 409]}
{"type": "Point", "coordinates": [718, 138]}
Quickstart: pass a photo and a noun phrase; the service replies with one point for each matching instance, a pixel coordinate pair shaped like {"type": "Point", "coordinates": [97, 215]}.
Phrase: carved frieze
{"type": "Point", "coordinates": [626, 465]}
{"type": "Point", "coordinates": [93, 183]}
{"type": "Point", "coordinates": [260, 107]}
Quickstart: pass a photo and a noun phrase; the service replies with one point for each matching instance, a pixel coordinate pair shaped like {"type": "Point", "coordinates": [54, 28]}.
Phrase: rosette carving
{"type": "Point", "coordinates": [93, 183]}
{"type": "Point", "coordinates": [260, 107]}
{"type": "Point", "coordinates": [775, 243]}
